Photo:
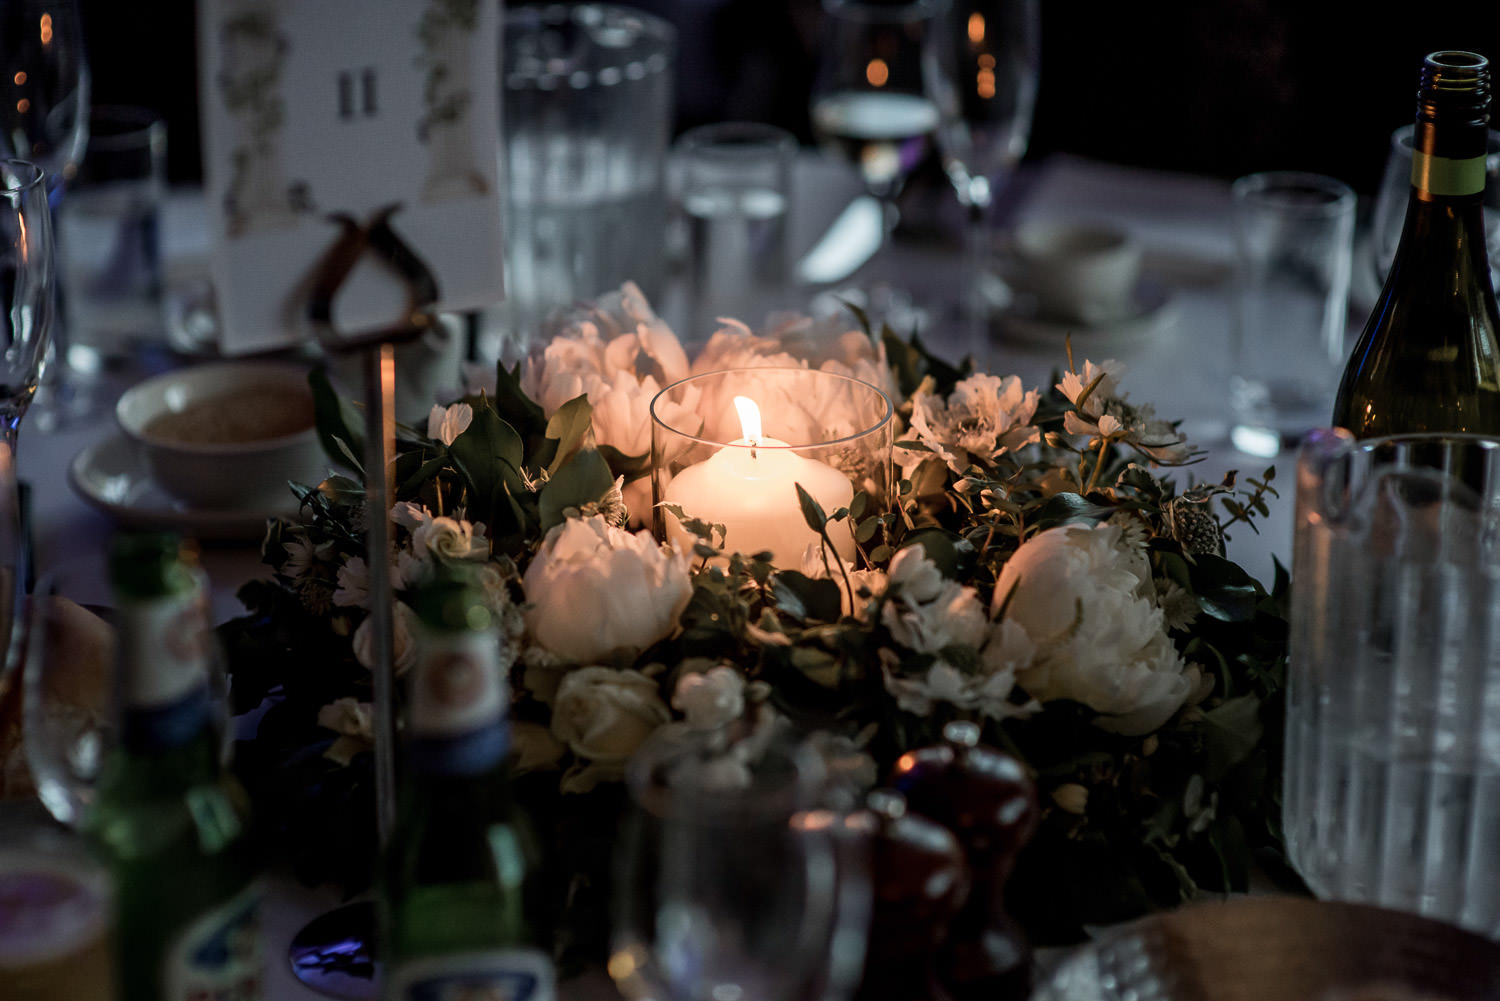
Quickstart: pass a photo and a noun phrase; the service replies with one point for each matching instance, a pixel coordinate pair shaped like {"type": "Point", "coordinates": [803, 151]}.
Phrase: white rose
{"type": "Point", "coordinates": [593, 589]}
{"type": "Point", "coordinates": [603, 715]}
{"type": "Point", "coordinates": [451, 539]}
{"type": "Point", "coordinates": [403, 642]}
{"type": "Point", "coordinates": [1100, 638]}
{"type": "Point", "coordinates": [710, 699]}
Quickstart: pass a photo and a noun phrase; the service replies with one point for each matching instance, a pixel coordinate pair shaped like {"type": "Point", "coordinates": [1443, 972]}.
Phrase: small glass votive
{"type": "Point", "coordinates": [830, 434]}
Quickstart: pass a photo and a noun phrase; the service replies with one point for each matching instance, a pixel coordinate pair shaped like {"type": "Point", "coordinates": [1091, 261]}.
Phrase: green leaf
{"type": "Point", "coordinates": [953, 554]}
{"type": "Point", "coordinates": [515, 407]}
{"type": "Point", "coordinates": [1232, 731]}
{"type": "Point", "coordinates": [632, 467]}
{"type": "Point", "coordinates": [1064, 508]}
{"type": "Point", "coordinates": [584, 479]}
{"type": "Point", "coordinates": [812, 511]}
{"type": "Point", "coordinates": [340, 423]}
{"type": "Point", "coordinates": [807, 599]}
{"type": "Point", "coordinates": [570, 427]}
{"type": "Point", "coordinates": [1224, 589]}
{"type": "Point", "coordinates": [489, 453]}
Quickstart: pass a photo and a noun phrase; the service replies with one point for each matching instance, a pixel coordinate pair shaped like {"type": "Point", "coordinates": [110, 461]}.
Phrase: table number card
{"type": "Point", "coordinates": [319, 107]}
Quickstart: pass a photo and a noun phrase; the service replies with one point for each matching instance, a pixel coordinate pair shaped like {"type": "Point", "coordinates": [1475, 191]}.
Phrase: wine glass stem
{"type": "Point", "coordinates": [976, 251]}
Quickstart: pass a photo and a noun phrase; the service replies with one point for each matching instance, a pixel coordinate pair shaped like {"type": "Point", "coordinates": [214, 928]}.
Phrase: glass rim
{"type": "Point", "coordinates": [803, 770]}
{"type": "Point", "coordinates": [135, 126]}
{"type": "Point", "coordinates": [730, 140]}
{"type": "Point", "coordinates": [884, 420]}
{"type": "Point", "coordinates": [648, 53]}
{"type": "Point", "coordinates": [27, 174]}
{"type": "Point", "coordinates": [905, 12]}
{"type": "Point", "coordinates": [1271, 187]}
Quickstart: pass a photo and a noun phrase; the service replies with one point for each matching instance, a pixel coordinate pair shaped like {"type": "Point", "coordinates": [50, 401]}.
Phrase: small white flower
{"type": "Point", "coordinates": [1106, 413]}
{"type": "Point", "coordinates": [353, 589]}
{"type": "Point", "coordinates": [1071, 797]}
{"type": "Point", "coordinates": [984, 417]}
{"type": "Point", "coordinates": [926, 611]}
{"type": "Point", "coordinates": [1178, 606]}
{"type": "Point", "coordinates": [710, 699]}
{"type": "Point", "coordinates": [444, 424]}
{"type": "Point", "coordinates": [353, 721]}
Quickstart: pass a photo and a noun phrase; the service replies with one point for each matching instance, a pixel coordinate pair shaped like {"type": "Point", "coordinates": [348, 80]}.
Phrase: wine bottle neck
{"type": "Point", "coordinates": [459, 721]}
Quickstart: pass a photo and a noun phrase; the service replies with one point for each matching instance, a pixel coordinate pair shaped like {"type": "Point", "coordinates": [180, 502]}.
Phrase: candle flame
{"type": "Point", "coordinates": [749, 419]}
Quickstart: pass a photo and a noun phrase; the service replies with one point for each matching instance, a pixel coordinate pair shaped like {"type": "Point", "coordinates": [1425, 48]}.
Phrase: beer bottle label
{"type": "Point", "coordinates": [165, 649]}
{"type": "Point", "coordinates": [217, 957]}
{"type": "Point", "coordinates": [495, 975]}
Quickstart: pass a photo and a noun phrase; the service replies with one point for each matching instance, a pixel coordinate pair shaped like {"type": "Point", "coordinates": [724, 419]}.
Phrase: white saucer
{"type": "Point", "coordinates": [111, 476]}
{"type": "Point", "coordinates": [1149, 313]}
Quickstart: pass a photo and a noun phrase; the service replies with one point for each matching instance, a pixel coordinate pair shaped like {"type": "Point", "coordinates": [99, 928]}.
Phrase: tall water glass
{"type": "Point", "coordinates": [1294, 248]}
{"type": "Point", "coordinates": [1392, 775]}
{"type": "Point", "coordinates": [586, 118]}
{"type": "Point", "coordinates": [27, 290]}
{"type": "Point", "coordinates": [731, 881]}
{"type": "Point", "coordinates": [736, 182]}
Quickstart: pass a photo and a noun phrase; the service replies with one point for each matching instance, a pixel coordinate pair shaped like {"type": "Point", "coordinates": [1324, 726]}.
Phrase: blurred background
{"type": "Point", "coordinates": [1217, 87]}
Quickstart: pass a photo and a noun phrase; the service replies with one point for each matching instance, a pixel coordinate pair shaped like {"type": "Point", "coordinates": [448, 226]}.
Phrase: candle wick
{"type": "Point", "coordinates": [752, 449]}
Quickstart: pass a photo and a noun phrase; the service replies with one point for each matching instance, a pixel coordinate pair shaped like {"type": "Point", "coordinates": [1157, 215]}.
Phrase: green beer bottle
{"type": "Point", "coordinates": [460, 877]}
{"type": "Point", "coordinates": [168, 818]}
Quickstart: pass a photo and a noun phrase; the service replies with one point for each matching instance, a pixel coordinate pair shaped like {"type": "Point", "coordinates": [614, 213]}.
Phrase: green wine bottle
{"type": "Point", "coordinates": [169, 819]}
{"type": "Point", "coordinates": [459, 895]}
{"type": "Point", "coordinates": [1429, 357]}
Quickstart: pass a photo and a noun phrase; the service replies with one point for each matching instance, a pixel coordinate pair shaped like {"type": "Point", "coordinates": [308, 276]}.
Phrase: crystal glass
{"type": "Point", "coordinates": [1392, 766]}
{"type": "Point", "coordinates": [872, 101]}
{"type": "Point", "coordinates": [26, 287]}
{"type": "Point", "coordinates": [986, 61]}
{"type": "Point", "coordinates": [1389, 212]}
{"type": "Point", "coordinates": [46, 123]}
{"type": "Point", "coordinates": [829, 434]}
{"type": "Point", "coordinates": [731, 880]}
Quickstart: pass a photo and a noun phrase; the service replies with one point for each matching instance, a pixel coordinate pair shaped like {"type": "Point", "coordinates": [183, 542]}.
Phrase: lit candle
{"type": "Point", "coordinates": [748, 487]}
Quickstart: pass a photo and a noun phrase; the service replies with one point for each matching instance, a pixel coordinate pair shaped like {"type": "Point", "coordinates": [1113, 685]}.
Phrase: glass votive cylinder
{"type": "Point", "coordinates": [829, 433]}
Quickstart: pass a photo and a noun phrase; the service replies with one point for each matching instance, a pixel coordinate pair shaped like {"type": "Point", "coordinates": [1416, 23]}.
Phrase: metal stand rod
{"type": "Point", "coordinates": [380, 467]}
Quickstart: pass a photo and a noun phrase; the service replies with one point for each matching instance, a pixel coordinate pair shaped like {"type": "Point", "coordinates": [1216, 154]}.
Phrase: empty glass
{"type": "Point", "coordinates": [732, 882]}
{"type": "Point", "coordinates": [26, 290]}
{"type": "Point", "coordinates": [1392, 784]}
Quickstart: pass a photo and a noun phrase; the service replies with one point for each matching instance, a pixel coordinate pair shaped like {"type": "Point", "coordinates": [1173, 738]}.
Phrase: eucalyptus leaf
{"type": "Point", "coordinates": [570, 428]}
{"type": "Point", "coordinates": [812, 511]}
{"type": "Point", "coordinates": [583, 480]}
{"type": "Point", "coordinates": [340, 423]}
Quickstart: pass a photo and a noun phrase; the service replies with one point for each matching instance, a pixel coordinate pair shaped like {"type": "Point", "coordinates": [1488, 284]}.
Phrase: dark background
{"type": "Point", "coordinates": [1219, 87]}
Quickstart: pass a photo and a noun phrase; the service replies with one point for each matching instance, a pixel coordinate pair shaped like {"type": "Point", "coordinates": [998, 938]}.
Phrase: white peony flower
{"type": "Point", "coordinates": [444, 424]}
{"type": "Point", "coordinates": [1100, 638]}
{"type": "Point", "coordinates": [710, 699]}
{"type": "Point", "coordinates": [592, 589]}
{"type": "Point", "coordinates": [603, 715]}
{"type": "Point", "coordinates": [353, 590]}
{"type": "Point", "coordinates": [403, 639]}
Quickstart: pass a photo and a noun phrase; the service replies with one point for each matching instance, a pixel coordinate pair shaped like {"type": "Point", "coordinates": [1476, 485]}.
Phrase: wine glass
{"type": "Point", "coordinates": [871, 102]}
{"type": "Point", "coordinates": [26, 289]}
{"type": "Point", "coordinates": [730, 880]}
{"type": "Point", "coordinates": [45, 120]}
{"type": "Point", "coordinates": [986, 60]}
{"type": "Point", "coordinates": [1389, 213]}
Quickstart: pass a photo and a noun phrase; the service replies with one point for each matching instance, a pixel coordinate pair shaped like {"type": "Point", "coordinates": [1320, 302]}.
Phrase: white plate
{"type": "Point", "coordinates": [111, 476]}
{"type": "Point", "coordinates": [1151, 311]}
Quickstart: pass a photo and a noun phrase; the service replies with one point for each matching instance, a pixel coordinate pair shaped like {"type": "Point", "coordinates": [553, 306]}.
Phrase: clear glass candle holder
{"type": "Point", "coordinates": [828, 433]}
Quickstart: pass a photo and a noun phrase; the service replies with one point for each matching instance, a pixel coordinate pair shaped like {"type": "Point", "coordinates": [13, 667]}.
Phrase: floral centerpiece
{"type": "Point", "coordinates": [1036, 571]}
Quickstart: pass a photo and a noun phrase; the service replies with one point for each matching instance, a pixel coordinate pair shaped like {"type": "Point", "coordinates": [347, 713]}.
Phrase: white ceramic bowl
{"type": "Point", "coordinates": [226, 434]}
{"type": "Point", "coordinates": [1078, 270]}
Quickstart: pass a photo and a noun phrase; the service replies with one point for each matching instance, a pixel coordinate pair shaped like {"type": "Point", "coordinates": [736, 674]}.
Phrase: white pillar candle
{"type": "Point", "coordinates": [749, 487]}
